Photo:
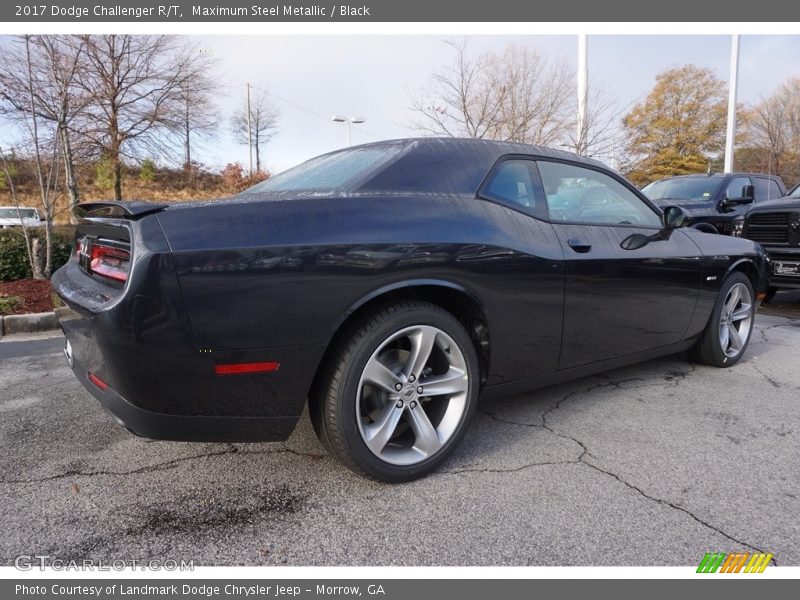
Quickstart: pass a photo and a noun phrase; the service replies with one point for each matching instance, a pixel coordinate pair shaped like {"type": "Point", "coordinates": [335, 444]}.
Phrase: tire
{"type": "Point", "coordinates": [727, 334]}
{"type": "Point", "coordinates": [370, 425]}
{"type": "Point", "coordinates": [705, 228]}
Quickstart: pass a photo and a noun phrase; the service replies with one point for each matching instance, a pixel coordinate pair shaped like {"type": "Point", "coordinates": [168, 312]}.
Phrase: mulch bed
{"type": "Point", "coordinates": [36, 295]}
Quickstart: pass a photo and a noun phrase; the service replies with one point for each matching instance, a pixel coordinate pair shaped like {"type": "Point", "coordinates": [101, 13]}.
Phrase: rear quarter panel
{"type": "Point", "coordinates": [286, 273]}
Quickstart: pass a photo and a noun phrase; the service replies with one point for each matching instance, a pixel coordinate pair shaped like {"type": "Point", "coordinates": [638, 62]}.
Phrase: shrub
{"type": "Point", "coordinates": [14, 257]}
{"type": "Point", "coordinates": [232, 176]}
{"type": "Point", "coordinates": [104, 173]}
{"type": "Point", "coordinates": [147, 172]}
{"type": "Point", "coordinates": [8, 304]}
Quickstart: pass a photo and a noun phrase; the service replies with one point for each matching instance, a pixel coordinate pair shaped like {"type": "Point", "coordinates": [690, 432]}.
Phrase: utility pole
{"type": "Point", "coordinates": [730, 137]}
{"type": "Point", "coordinates": [583, 91]}
{"type": "Point", "coordinates": [249, 131]}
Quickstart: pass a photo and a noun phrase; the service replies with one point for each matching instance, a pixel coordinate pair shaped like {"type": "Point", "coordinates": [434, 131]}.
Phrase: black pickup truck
{"type": "Point", "coordinates": [776, 226]}
{"type": "Point", "coordinates": [717, 202]}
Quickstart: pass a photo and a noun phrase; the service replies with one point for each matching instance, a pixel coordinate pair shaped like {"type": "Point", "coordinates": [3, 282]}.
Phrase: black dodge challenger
{"type": "Point", "coordinates": [389, 285]}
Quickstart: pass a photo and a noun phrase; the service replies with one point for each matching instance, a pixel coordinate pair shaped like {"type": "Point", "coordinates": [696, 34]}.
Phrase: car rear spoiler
{"type": "Point", "coordinates": [118, 210]}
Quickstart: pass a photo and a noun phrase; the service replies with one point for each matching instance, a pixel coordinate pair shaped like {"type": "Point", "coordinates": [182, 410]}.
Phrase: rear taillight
{"type": "Point", "coordinates": [109, 261]}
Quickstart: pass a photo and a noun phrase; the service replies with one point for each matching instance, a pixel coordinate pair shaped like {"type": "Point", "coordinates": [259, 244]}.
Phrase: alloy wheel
{"type": "Point", "coordinates": [736, 320]}
{"type": "Point", "coordinates": [412, 395]}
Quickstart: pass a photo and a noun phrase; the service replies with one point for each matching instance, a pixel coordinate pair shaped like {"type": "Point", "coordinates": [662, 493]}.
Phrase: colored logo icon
{"type": "Point", "coordinates": [734, 562]}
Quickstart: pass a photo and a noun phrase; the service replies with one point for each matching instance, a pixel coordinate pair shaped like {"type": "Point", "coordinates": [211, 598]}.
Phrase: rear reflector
{"type": "Point", "coordinates": [97, 381]}
{"type": "Point", "coordinates": [242, 368]}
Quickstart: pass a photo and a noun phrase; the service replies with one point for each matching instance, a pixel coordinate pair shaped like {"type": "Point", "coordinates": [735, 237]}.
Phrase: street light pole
{"type": "Point", "coordinates": [350, 122]}
{"type": "Point", "coordinates": [583, 90]}
{"type": "Point", "coordinates": [730, 136]}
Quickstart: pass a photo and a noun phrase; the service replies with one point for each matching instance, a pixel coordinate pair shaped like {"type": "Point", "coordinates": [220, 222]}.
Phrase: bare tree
{"type": "Point", "coordinates": [773, 131]}
{"type": "Point", "coordinates": [516, 95]}
{"type": "Point", "coordinates": [601, 136]}
{"type": "Point", "coordinates": [47, 90]}
{"type": "Point", "coordinates": [46, 167]}
{"type": "Point", "coordinates": [137, 82]}
{"type": "Point", "coordinates": [262, 122]}
{"type": "Point", "coordinates": [196, 117]}
{"type": "Point", "coordinates": [460, 99]}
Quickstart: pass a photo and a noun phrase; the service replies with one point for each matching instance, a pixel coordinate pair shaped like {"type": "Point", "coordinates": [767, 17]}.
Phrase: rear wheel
{"type": "Point", "coordinates": [398, 392]}
{"type": "Point", "coordinates": [728, 331]}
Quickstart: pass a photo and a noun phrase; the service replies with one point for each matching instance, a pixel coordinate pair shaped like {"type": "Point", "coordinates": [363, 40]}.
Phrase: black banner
{"type": "Point", "coordinates": [399, 11]}
{"type": "Point", "coordinates": [730, 588]}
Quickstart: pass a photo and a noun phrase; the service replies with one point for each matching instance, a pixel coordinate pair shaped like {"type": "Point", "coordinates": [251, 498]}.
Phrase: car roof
{"type": "Point", "coordinates": [496, 148]}
{"type": "Point", "coordinates": [717, 176]}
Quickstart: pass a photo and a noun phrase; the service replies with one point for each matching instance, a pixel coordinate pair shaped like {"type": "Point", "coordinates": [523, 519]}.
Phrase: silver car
{"type": "Point", "coordinates": [11, 216]}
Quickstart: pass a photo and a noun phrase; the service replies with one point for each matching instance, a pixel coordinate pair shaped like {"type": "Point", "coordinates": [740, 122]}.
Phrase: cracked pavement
{"type": "Point", "coordinates": [653, 464]}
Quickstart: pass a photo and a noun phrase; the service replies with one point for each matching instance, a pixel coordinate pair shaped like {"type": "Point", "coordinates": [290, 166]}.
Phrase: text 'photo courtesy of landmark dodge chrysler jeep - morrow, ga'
{"type": "Point", "coordinates": [387, 286]}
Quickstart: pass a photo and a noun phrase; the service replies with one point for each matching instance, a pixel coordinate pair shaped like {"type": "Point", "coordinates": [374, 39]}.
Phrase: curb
{"type": "Point", "coordinates": [30, 323]}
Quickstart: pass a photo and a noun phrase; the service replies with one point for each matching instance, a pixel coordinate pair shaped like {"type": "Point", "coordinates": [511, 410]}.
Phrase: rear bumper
{"type": "Point", "coordinates": [160, 383]}
{"type": "Point", "coordinates": [185, 428]}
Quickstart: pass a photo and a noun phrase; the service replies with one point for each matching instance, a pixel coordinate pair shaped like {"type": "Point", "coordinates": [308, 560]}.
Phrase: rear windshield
{"type": "Point", "coordinates": [697, 189]}
{"type": "Point", "coordinates": [11, 213]}
{"type": "Point", "coordinates": [335, 172]}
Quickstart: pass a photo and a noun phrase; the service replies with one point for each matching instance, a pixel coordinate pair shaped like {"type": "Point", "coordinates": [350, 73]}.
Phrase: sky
{"type": "Point", "coordinates": [313, 77]}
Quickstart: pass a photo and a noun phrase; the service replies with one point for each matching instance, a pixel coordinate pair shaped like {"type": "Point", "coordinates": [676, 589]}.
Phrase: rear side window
{"type": "Point", "coordinates": [513, 182]}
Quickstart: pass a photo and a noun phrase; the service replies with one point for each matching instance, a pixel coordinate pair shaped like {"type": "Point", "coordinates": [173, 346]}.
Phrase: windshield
{"type": "Point", "coordinates": [333, 172]}
{"type": "Point", "coordinates": [697, 189]}
{"type": "Point", "coordinates": [11, 213]}
{"type": "Point", "coordinates": [795, 193]}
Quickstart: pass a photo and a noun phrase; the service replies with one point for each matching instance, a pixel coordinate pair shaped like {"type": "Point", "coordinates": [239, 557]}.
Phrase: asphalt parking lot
{"type": "Point", "coordinates": [652, 464]}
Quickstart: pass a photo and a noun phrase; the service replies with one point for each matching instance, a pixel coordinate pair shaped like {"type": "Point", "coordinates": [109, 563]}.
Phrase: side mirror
{"type": "Point", "coordinates": [674, 217]}
{"type": "Point", "coordinates": [747, 197]}
{"type": "Point", "coordinates": [635, 241]}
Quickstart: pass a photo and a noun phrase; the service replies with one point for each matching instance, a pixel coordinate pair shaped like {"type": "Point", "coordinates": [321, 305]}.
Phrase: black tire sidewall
{"type": "Point", "coordinates": [416, 314]}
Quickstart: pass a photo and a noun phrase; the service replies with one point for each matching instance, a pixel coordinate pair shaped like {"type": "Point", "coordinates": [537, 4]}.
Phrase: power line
{"type": "Point", "coordinates": [327, 118]}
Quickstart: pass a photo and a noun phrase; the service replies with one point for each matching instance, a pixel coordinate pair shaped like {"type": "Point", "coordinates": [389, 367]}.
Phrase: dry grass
{"type": "Point", "coordinates": [135, 190]}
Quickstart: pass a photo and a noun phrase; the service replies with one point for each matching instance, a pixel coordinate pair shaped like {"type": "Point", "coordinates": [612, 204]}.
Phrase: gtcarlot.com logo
{"type": "Point", "coordinates": [734, 562]}
{"type": "Point", "coordinates": [28, 562]}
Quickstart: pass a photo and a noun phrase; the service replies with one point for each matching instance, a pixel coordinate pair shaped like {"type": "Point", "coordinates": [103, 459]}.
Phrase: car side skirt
{"type": "Point", "coordinates": [532, 383]}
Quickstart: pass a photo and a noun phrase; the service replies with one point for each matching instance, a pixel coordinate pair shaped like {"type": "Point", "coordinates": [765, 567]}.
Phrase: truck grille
{"type": "Point", "coordinates": [769, 228]}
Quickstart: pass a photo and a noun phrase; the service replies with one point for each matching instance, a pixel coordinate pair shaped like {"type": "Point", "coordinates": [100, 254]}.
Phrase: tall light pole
{"type": "Point", "coordinates": [583, 91]}
{"type": "Point", "coordinates": [730, 136]}
{"type": "Point", "coordinates": [350, 122]}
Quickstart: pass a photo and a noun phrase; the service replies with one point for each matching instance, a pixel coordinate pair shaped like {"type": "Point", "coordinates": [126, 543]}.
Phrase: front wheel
{"type": "Point", "coordinates": [398, 392]}
{"type": "Point", "coordinates": [727, 334]}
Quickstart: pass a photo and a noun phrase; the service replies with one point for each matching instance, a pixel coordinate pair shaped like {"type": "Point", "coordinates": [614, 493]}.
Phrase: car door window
{"type": "Point", "coordinates": [736, 187]}
{"type": "Point", "coordinates": [774, 190]}
{"type": "Point", "coordinates": [580, 195]}
{"type": "Point", "coordinates": [512, 182]}
{"type": "Point", "coordinates": [766, 189]}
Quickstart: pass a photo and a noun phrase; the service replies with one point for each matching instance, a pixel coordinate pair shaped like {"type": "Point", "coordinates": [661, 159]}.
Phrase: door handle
{"type": "Point", "coordinates": [580, 246]}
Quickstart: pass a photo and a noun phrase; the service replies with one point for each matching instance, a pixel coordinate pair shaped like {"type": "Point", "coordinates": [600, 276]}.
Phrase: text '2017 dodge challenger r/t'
{"type": "Point", "coordinates": [389, 285]}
